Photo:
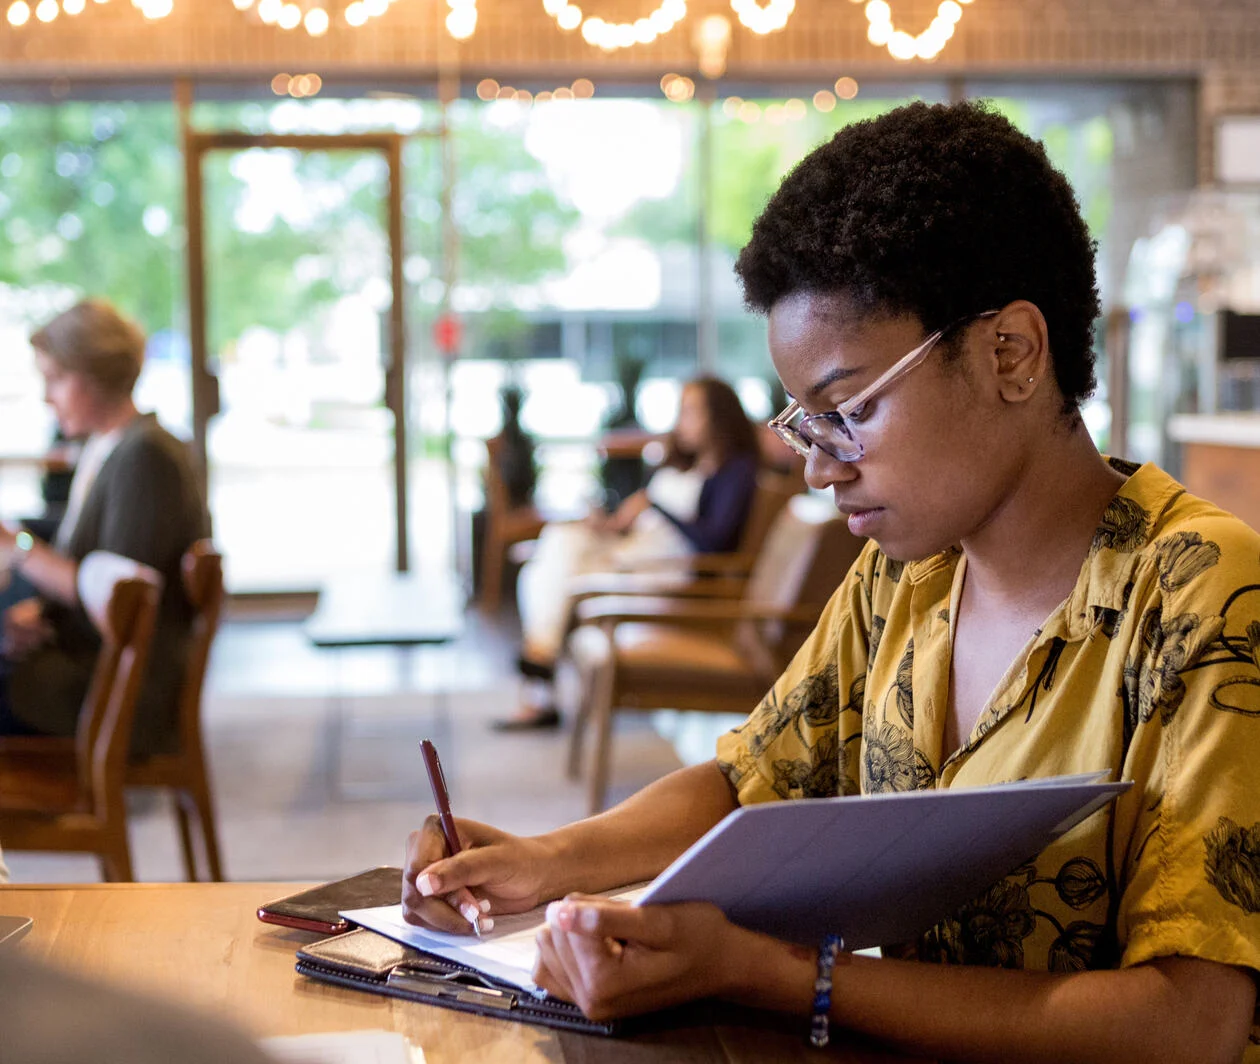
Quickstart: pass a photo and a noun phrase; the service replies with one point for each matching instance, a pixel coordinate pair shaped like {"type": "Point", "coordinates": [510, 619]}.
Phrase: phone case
{"type": "Point", "coordinates": [319, 908]}
{"type": "Point", "coordinates": [364, 960]}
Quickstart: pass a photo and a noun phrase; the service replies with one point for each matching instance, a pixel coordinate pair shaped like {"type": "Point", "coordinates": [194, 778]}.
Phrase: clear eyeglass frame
{"type": "Point", "coordinates": [832, 431]}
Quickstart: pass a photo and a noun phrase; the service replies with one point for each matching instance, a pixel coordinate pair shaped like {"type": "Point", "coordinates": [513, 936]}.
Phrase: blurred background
{"type": "Point", "coordinates": [346, 227]}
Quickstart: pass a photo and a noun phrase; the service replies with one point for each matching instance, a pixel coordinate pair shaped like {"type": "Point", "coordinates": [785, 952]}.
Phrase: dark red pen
{"type": "Point", "coordinates": [437, 781]}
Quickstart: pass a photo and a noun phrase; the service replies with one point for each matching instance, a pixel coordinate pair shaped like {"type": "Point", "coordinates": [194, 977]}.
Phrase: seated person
{"type": "Point", "coordinates": [697, 501]}
{"type": "Point", "coordinates": [135, 493]}
{"type": "Point", "coordinates": [1026, 608]}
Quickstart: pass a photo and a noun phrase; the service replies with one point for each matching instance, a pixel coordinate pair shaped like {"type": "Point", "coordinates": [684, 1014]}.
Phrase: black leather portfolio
{"type": "Point", "coordinates": [364, 960]}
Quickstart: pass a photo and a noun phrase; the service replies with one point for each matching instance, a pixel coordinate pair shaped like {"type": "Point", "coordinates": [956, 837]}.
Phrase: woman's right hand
{"type": "Point", "coordinates": [494, 872]}
{"type": "Point", "coordinates": [25, 629]}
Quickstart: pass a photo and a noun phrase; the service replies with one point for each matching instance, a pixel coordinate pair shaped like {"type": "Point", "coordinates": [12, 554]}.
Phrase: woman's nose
{"type": "Point", "coordinates": [823, 470]}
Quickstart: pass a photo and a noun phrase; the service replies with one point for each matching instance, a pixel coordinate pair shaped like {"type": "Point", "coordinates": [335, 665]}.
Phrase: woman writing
{"type": "Point", "coordinates": [1025, 608]}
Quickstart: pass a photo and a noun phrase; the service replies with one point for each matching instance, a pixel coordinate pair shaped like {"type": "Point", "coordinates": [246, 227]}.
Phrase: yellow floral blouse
{"type": "Point", "coordinates": [1151, 669]}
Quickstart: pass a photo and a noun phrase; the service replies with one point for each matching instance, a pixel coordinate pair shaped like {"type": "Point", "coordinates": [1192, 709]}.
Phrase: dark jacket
{"type": "Point", "coordinates": [722, 511]}
{"type": "Point", "coordinates": [146, 504]}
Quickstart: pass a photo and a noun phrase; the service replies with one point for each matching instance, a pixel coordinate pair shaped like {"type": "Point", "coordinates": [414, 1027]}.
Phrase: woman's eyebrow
{"type": "Point", "coordinates": [840, 373]}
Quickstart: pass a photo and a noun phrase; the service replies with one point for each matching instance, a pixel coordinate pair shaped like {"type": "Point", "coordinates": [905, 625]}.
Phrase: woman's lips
{"type": "Point", "coordinates": [861, 521]}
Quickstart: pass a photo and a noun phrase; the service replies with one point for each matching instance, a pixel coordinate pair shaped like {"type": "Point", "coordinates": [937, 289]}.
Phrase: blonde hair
{"type": "Point", "coordinates": [94, 339]}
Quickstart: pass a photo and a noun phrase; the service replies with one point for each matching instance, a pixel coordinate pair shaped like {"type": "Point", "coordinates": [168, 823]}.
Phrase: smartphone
{"type": "Point", "coordinates": [319, 909]}
{"type": "Point", "coordinates": [13, 928]}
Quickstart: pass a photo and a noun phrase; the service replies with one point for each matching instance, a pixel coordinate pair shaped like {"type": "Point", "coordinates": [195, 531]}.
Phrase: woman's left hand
{"type": "Point", "coordinates": [613, 959]}
{"type": "Point", "coordinates": [627, 513]}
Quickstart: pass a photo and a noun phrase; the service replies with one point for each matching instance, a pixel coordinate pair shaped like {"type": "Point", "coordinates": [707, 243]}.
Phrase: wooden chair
{"type": "Point", "coordinates": [716, 575]}
{"type": "Point", "coordinates": [184, 773]}
{"type": "Point", "coordinates": [66, 795]}
{"type": "Point", "coordinates": [505, 526]}
{"type": "Point", "coordinates": [720, 654]}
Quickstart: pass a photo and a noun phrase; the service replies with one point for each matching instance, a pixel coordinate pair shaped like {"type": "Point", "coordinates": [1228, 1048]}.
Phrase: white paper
{"type": "Point", "coordinates": [507, 953]}
{"type": "Point", "coordinates": [344, 1047]}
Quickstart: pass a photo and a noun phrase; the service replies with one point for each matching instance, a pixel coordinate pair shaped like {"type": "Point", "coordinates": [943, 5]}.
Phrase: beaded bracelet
{"type": "Point", "coordinates": [820, 1024]}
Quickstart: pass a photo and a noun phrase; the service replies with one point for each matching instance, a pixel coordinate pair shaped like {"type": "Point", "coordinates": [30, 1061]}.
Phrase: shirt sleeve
{"type": "Point", "coordinates": [725, 502]}
{"type": "Point", "coordinates": [1191, 696]}
{"type": "Point", "coordinates": [802, 739]}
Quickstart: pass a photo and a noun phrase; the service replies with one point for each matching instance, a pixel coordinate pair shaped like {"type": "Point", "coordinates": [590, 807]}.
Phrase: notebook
{"type": "Point", "coordinates": [879, 869]}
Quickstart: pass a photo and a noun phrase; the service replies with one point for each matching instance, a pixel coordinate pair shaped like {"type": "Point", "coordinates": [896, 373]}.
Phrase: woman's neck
{"type": "Point", "coordinates": [1028, 554]}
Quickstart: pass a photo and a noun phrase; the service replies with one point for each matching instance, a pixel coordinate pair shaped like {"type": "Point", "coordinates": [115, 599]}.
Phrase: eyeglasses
{"type": "Point", "coordinates": [833, 430]}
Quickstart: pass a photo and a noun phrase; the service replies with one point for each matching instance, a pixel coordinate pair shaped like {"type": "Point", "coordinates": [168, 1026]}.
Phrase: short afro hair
{"type": "Point", "coordinates": [939, 211]}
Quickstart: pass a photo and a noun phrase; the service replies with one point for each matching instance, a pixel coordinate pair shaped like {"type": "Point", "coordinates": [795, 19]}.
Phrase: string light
{"type": "Point", "coordinates": [488, 89]}
{"type": "Point", "coordinates": [846, 88]}
{"type": "Point", "coordinates": [314, 16]}
{"type": "Point", "coordinates": [793, 110]}
{"type": "Point", "coordinates": [712, 35]}
{"type": "Point", "coordinates": [613, 35]}
{"type": "Point", "coordinates": [903, 46]}
{"type": "Point", "coordinates": [677, 88]}
{"type": "Point", "coordinates": [20, 12]}
{"type": "Point", "coordinates": [299, 86]}
{"type": "Point", "coordinates": [461, 21]}
{"type": "Point", "coordinates": [764, 18]}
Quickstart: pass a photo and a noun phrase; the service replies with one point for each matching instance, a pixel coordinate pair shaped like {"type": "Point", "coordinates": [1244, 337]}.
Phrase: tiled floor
{"type": "Point", "coordinates": [314, 761]}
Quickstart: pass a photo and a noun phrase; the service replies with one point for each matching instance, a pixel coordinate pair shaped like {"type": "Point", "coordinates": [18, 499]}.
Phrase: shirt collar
{"type": "Point", "coordinates": [1127, 525]}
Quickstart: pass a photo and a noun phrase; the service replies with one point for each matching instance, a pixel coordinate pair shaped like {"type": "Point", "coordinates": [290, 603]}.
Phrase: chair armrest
{"type": "Point", "coordinates": [666, 585]}
{"type": "Point", "coordinates": [614, 609]}
{"type": "Point", "coordinates": [732, 564]}
{"type": "Point", "coordinates": [41, 746]}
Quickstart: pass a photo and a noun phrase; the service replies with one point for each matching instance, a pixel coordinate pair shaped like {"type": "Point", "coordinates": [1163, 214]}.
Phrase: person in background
{"type": "Point", "coordinates": [697, 501]}
{"type": "Point", "coordinates": [1025, 608]}
{"type": "Point", "coordinates": [135, 493]}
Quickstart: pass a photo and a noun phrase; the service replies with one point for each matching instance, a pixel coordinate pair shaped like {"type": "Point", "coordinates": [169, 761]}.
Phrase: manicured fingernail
{"type": "Point", "coordinates": [427, 885]}
{"type": "Point", "coordinates": [485, 905]}
{"type": "Point", "coordinates": [588, 919]}
{"type": "Point", "coordinates": [470, 912]}
{"type": "Point", "coordinates": [560, 916]}
{"type": "Point", "coordinates": [487, 923]}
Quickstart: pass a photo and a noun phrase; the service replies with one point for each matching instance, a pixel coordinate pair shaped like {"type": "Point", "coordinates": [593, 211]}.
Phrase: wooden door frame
{"type": "Point", "coordinates": [205, 385]}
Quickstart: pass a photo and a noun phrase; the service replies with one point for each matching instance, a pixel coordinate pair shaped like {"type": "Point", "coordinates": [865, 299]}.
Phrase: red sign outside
{"type": "Point", "coordinates": [448, 334]}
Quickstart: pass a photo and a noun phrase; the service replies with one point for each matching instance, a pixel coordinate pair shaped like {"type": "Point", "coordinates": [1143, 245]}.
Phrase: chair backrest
{"type": "Point", "coordinates": [496, 489]}
{"type": "Point", "coordinates": [125, 618]}
{"type": "Point", "coordinates": [806, 555]}
{"type": "Point", "coordinates": [773, 492]}
{"type": "Point", "coordinates": [203, 587]}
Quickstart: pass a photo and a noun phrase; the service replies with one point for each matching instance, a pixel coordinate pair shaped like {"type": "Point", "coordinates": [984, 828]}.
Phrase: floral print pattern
{"type": "Point", "coordinates": [888, 764]}
{"type": "Point", "coordinates": [1232, 863]}
{"type": "Point", "coordinates": [1183, 557]}
{"type": "Point", "coordinates": [1155, 679]}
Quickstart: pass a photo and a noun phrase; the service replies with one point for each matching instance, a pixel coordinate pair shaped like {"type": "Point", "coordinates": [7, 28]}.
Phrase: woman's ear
{"type": "Point", "coordinates": [1019, 350]}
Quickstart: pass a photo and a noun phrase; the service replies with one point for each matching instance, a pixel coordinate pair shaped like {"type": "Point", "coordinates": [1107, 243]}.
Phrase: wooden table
{"type": "Point", "coordinates": [399, 610]}
{"type": "Point", "coordinates": [201, 944]}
